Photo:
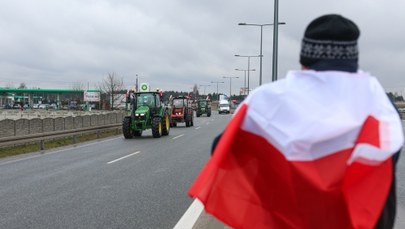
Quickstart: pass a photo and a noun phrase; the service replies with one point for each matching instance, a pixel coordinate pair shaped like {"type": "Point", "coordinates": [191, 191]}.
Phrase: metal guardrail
{"type": "Point", "coordinates": [41, 138]}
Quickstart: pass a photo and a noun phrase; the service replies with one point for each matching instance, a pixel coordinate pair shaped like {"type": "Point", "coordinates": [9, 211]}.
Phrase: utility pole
{"type": "Point", "coordinates": [217, 82]}
{"type": "Point", "coordinates": [136, 83]}
{"type": "Point", "coordinates": [230, 84]}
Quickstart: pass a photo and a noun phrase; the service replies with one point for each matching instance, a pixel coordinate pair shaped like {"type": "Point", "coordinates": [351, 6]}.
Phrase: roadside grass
{"type": "Point", "coordinates": [36, 146]}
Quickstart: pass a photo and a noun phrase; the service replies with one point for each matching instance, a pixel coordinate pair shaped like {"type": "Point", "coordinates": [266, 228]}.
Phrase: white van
{"type": "Point", "coordinates": [223, 107]}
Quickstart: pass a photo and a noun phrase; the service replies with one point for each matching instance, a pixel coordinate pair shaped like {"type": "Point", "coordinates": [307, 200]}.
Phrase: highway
{"type": "Point", "coordinates": [116, 183]}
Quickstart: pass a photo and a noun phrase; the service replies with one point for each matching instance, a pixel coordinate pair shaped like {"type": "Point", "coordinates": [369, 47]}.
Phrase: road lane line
{"type": "Point", "coordinates": [181, 135]}
{"type": "Point", "coordinates": [191, 216]}
{"type": "Point", "coordinates": [41, 153]}
{"type": "Point", "coordinates": [119, 159]}
{"type": "Point", "coordinates": [198, 127]}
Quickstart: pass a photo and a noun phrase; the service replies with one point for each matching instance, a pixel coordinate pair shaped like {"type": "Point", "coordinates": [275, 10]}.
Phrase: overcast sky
{"type": "Point", "coordinates": [174, 44]}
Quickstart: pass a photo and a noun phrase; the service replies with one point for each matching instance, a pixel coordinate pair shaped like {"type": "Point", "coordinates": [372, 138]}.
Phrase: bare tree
{"type": "Point", "coordinates": [196, 93]}
{"type": "Point", "coordinates": [9, 85]}
{"type": "Point", "coordinates": [78, 86]}
{"type": "Point", "coordinates": [112, 86]}
{"type": "Point", "coordinates": [22, 85]}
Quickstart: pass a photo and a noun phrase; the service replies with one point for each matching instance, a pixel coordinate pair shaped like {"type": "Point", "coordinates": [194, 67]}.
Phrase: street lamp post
{"type": "Point", "coordinates": [244, 82]}
{"type": "Point", "coordinates": [275, 41]}
{"type": "Point", "coordinates": [248, 70]}
{"type": "Point", "coordinates": [230, 84]}
{"type": "Point", "coordinates": [217, 82]}
{"type": "Point", "coordinates": [136, 83]}
{"type": "Point", "coordinates": [207, 85]}
{"type": "Point", "coordinates": [261, 43]}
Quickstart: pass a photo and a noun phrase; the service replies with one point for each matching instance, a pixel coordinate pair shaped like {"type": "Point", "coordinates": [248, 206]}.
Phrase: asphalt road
{"type": "Point", "coordinates": [117, 183]}
{"type": "Point", "coordinates": [113, 183]}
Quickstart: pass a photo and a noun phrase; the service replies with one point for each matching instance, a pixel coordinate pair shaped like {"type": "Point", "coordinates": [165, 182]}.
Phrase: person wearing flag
{"type": "Point", "coordinates": [316, 149]}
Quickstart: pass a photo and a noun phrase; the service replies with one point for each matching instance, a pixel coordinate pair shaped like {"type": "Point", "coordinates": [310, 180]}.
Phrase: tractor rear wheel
{"type": "Point", "coordinates": [166, 125]}
{"type": "Point", "coordinates": [126, 127]}
{"type": "Point", "coordinates": [157, 127]}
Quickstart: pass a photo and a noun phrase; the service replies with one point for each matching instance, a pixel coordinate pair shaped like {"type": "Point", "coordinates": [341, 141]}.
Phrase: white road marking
{"type": "Point", "coordinates": [190, 216]}
{"type": "Point", "coordinates": [181, 135]}
{"type": "Point", "coordinates": [198, 127]}
{"type": "Point", "coordinates": [119, 159]}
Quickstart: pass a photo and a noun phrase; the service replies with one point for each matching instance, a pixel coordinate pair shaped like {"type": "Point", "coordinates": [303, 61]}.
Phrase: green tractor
{"type": "Point", "coordinates": [203, 107]}
{"type": "Point", "coordinates": [147, 112]}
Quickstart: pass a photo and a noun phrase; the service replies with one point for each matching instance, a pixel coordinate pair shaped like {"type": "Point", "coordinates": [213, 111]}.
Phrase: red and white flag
{"type": "Point", "coordinates": [312, 150]}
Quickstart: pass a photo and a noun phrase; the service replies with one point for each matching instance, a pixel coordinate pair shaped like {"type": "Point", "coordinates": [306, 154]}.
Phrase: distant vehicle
{"type": "Point", "coordinates": [73, 105]}
{"type": "Point", "coordinates": [17, 106]}
{"type": "Point", "coordinates": [147, 112]}
{"type": "Point", "coordinates": [8, 106]}
{"type": "Point", "coordinates": [52, 106]}
{"type": "Point", "coordinates": [43, 106]}
{"type": "Point", "coordinates": [203, 107]}
{"type": "Point", "coordinates": [224, 107]}
{"type": "Point", "coordinates": [181, 111]}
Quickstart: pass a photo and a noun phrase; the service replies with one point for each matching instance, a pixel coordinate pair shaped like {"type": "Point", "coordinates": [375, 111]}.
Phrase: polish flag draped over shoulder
{"type": "Point", "coordinates": [312, 150]}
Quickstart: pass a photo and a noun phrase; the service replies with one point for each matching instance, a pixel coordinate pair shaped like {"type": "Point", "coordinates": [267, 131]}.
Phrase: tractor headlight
{"type": "Point", "coordinates": [143, 114]}
{"type": "Point", "coordinates": [137, 115]}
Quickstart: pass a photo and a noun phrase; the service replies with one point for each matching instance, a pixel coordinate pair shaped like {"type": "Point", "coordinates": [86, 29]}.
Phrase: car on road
{"type": "Point", "coordinates": [224, 107]}
{"type": "Point", "coordinates": [7, 106]}
{"type": "Point", "coordinates": [16, 106]}
{"type": "Point", "coordinates": [43, 106]}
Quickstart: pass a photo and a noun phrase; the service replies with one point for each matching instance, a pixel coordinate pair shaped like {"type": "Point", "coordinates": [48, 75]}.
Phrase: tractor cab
{"type": "Point", "coordinates": [146, 101]}
{"type": "Point", "coordinates": [181, 111]}
{"type": "Point", "coordinates": [179, 102]}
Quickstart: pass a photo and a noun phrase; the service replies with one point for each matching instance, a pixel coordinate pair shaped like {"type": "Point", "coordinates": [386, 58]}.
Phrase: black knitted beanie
{"type": "Point", "coordinates": [330, 39]}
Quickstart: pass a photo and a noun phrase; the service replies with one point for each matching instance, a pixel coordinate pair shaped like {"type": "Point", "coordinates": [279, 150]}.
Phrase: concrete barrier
{"type": "Point", "coordinates": [35, 126]}
{"type": "Point", "coordinates": [40, 123]}
{"type": "Point", "coordinates": [48, 125]}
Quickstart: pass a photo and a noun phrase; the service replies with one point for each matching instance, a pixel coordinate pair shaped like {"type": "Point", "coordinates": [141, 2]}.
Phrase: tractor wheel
{"type": "Point", "coordinates": [137, 133]}
{"type": "Point", "coordinates": [187, 121]}
{"type": "Point", "coordinates": [192, 120]}
{"type": "Point", "coordinates": [166, 125]}
{"type": "Point", "coordinates": [198, 114]}
{"type": "Point", "coordinates": [157, 127]}
{"type": "Point", "coordinates": [126, 127]}
{"type": "Point", "coordinates": [209, 114]}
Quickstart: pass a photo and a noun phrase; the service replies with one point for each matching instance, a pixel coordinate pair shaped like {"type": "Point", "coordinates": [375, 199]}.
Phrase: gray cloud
{"type": "Point", "coordinates": [174, 44]}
